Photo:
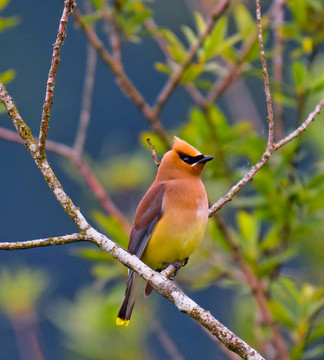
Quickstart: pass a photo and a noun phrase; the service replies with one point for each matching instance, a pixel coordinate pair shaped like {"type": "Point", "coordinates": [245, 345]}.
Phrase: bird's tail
{"type": "Point", "coordinates": [133, 287]}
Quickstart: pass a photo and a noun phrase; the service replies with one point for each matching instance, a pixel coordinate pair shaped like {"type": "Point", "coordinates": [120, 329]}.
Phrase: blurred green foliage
{"type": "Point", "coordinates": [88, 323]}
{"type": "Point", "coordinates": [21, 290]}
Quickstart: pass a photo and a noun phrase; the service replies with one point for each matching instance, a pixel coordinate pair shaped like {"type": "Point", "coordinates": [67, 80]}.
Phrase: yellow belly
{"type": "Point", "coordinates": [174, 239]}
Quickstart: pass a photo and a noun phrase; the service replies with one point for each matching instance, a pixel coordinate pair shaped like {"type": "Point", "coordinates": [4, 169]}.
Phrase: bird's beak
{"type": "Point", "coordinates": [204, 159]}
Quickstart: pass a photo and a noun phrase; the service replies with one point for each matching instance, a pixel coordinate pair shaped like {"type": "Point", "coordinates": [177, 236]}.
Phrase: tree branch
{"type": "Point", "coordinates": [29, 244]}
{"type": "Point", "coordinates": [265, 77]}
{"type": "Point", "coordinates": [68, 8]}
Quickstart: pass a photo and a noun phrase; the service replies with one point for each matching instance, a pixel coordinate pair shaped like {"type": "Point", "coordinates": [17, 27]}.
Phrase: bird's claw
{"type": "Point", "coordinates": [177, 265]}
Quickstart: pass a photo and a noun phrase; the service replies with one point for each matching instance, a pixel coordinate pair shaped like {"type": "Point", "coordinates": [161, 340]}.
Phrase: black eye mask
{"type": "Point", "coordinates": [191, 160]}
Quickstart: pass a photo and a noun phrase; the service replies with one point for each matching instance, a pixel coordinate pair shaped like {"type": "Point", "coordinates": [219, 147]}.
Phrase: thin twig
{"type": "Point", "coordinates": [68, 8]}
{"type": "Point", "coordinates": [265, 77]}
{"type": "Point", "coordinates": [113, 33]}
{"type": "Point", "coordinates": [154, 156]}
{"type": "Point", "coordinates": [86, 100]}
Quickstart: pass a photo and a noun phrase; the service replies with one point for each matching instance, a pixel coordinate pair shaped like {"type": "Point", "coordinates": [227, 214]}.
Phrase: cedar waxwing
{"type": "Point", "coordinates": [170, 220]}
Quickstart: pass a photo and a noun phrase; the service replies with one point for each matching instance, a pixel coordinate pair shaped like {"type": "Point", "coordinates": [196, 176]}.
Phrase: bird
{"type": "Point", "coordinates": [170, 220]}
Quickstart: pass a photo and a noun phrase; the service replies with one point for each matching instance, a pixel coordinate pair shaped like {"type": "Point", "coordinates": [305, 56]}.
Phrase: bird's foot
{"type": "Point", "coordinates": [177, 265]}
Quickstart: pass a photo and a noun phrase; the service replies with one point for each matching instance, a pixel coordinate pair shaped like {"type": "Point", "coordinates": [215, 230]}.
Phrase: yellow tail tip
{"type": "Point", "coordinates": [120, 321]}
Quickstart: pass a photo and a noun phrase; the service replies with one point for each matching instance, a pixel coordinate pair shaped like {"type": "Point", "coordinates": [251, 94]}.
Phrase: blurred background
{"type": "Point", "coordinates": [60, 302]}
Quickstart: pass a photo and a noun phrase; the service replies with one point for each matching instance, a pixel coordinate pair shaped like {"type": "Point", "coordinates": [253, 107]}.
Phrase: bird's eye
{"type": "Point", "coordinates": [184, 157]}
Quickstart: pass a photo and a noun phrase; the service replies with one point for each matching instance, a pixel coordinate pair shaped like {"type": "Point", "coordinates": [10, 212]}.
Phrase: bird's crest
{"type": "Point", "coordinates": [183, 147]}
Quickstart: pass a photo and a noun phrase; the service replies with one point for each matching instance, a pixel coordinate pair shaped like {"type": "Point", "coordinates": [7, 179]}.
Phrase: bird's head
{"type": "Point", "coordinates": [183, 160]}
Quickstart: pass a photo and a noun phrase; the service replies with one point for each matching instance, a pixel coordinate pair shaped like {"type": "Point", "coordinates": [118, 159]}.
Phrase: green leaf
{"type": "Point", "coordinates": [215, 38]}
{"type": "Point", "coordinates": [249, 231]}
{"type": "Point", "coordinates": [316, 181]}
{"type": "Point", "coordinates": [7, 76]}
{"type": "Point", "coordinates": [272, 239]}
{"type": "Point", "coordinates": [271, 263]}
{"type": "Point", "coordinates": [189, 34]}
{"type": "Point", "coordinates": [156, 141]}
{"type": "Point", "coordinates": [175, 47]}
{"type": "Point", "coordinates": [97, 4]}
{"type": "Point", "coordinates": [316, 333]}
{"type": "Point", "coordinates": [200, 22]}
{"type": "Point", "coordinates": [246, 224]}
{"type": "Point", "coordinates": [314, 353]}
{"type": "Point", "coordinates": [300, 75]}
{"type": "Point", "coordinates": [191, 73]}
{"type": "Point", "coordinates": [284, 99]}
{"type": "Point", "coordinates": [316, 84]}
{"type": "Point", "coordinates": [218, 236]}
{"type": "Point", "coordinates": [298, 7]}
{"type": "Point", "coordinates": [92, 254]}
{"type": "Point", "coordinates": [3, 4]}
{"type": "Point", "coordinates": [90, 19]}
{"type": "Point", "coordinates": [105, 273]}
{"type": "Point", "coordinates": [8, 22]}
{"type": "Point", "coordinates": [163, 68]}
{"type": "Point", "coordinates": [243, 18]}
{"type": "Point", "coordinates": [21, 290]}
{"type": "Point", "coordinates": [281, 314]}
{"type": "Point", "coordinates": [112, 227]}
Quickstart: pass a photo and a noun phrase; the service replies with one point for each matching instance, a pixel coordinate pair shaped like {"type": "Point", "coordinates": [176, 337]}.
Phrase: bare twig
{"type": "Point", "coordinates": [154, 156]}
{"type": "Point", "coordinates": [68, 7]}
{"type": "Point", "coordinates": [86, 100]}
{"type": "Point", "coordinates": [112, 32]}
{"type": "Point", "coordinates": [26, 333]}
{"type": "Point", "coordinates": [265, 77]}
